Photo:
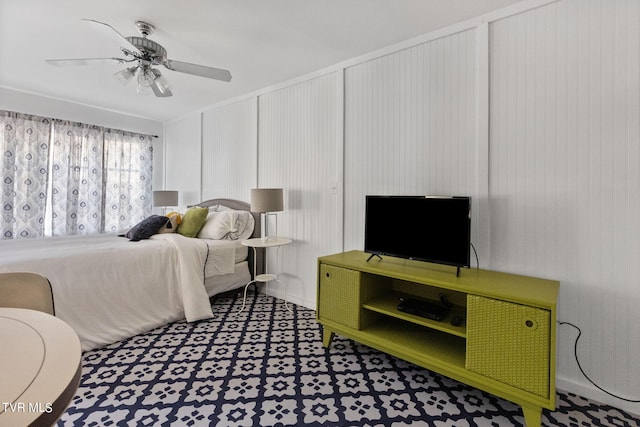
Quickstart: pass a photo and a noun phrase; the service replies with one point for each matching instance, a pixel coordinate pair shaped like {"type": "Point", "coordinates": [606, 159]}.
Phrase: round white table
{"type": "Point", "coordinates": [41, 363]}
{"type": "Point", "coordinates": [265, 277]}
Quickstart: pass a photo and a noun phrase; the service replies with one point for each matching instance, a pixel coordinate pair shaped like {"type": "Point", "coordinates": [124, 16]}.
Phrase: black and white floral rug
{"type": "Point", "coordinates": [267, 367]}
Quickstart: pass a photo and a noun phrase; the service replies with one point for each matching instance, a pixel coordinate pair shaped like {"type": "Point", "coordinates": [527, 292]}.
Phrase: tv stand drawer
{"type": "Point", "coordinates": [339, 295]}
{"type": "Point", "coordinates": [509, 343]}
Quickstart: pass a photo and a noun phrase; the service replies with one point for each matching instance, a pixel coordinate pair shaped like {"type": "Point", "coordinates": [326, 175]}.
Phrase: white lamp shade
{"type": "Point", "coordinates": [165, 198]}
{"type": "Point", "coordinates": [266, 200]}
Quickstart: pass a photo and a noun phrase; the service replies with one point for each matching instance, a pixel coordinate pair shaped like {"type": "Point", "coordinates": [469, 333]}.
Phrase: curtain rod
{"type": "Point", "coordinates": [89, 124]}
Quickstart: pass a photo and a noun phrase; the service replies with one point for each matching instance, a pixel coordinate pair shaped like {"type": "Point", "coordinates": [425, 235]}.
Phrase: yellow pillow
{"type": "Point", "coordinates": [175, 218]}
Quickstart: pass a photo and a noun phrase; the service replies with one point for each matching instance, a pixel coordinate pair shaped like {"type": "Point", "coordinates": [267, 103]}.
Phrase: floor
{"type": "Point", "coordinates": [266, 366]}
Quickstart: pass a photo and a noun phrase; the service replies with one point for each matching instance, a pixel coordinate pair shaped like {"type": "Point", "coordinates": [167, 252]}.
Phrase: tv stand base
{"type": "Point", "coordinates": [505, 345]}
{"type": "Point", "coordinates": [372, 255]}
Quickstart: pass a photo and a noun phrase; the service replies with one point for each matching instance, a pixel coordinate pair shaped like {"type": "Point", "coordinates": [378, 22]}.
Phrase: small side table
{"type": "Point", "coordinates": [256, 243]}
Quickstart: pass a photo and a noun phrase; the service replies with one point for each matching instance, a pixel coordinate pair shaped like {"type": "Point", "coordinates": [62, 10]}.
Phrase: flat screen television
{"type": "Point", "coordinates": [424, 228]}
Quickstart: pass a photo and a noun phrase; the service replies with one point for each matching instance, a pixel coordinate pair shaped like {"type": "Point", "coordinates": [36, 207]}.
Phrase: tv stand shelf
{"type": "Point", "coordinates": [388, 304]}
{"type": "Point", "coordinates": [505, 344]}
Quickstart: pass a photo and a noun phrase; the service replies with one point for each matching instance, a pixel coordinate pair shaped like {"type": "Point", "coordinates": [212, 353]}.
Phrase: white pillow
{"type": "Point", "coordinates": [230, 225]}
{"type": "Point", "coordinates": [244, 224]}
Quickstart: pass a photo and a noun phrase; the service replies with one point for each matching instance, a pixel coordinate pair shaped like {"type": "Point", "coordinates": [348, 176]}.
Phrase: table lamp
{"type": "Point", "coordinates": [267, 201]}
{"type": "Point", "coordinates": [165, 198]}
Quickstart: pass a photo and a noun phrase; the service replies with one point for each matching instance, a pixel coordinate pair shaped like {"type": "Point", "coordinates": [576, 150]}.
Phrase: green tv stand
{"type": "Point", "coordinates": [506, 344]}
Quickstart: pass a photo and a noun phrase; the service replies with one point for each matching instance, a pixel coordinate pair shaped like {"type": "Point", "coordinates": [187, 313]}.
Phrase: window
{"type": "Point", "coordinates": [62, 177]}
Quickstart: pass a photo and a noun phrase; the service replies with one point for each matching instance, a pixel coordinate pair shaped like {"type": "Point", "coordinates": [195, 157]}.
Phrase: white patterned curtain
{"type": "Point", "coordinates": [128, 178]}
{"type": "Point", "coordinates": [76, 198]}
{"type": "Point", "coordinates": [61, 177]}
{"type": "Point", "coordinates": [24, 140]}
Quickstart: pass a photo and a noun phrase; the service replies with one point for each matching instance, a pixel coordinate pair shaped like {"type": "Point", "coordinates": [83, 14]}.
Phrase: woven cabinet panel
{"type": "Point", "coordinates": [509, 343]}
{"type": "Point", "coordinates": [340, 295]}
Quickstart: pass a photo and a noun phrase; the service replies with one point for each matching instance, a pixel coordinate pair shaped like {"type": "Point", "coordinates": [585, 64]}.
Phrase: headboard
{"type": "Point", "coordinates": [242, 206]}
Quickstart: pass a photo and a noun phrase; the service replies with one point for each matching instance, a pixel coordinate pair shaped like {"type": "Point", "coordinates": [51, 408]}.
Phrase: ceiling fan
{"type": "Point", "coordinates": [142, 55]}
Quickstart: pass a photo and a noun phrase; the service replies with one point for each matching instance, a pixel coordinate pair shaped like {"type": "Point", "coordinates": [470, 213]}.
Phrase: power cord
{"type": "Point", "coordinates": [476, 253]}
{"type": "Point", "coordinates": [575, 353]}
{"type": "Point", "coordinates": [444, 300]}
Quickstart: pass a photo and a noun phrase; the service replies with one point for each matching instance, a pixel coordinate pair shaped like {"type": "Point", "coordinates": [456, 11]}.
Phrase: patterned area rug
{"type": "Point", "coordinates": [267, 367]}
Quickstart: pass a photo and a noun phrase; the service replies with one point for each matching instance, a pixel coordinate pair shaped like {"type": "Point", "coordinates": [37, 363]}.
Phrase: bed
{"type": "Point", "coordinates": [108, 288]}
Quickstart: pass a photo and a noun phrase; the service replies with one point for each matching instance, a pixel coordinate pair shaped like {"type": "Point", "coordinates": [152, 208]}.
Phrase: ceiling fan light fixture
{"type": "Point", "coordinates": [143, 90]}
{"type": "Point", "coordinates": [125, 76]}
{"type": "Point", "coordinates": [146, 77]}
{"type": "Point", "coordinates": [161, 81]}
{"type": "Point", "coordinates": [161, 86]}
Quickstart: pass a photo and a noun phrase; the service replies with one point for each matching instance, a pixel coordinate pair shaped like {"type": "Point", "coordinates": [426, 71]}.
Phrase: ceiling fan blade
{"type": "Point", "coordinates": [114, 34]}
{"type": "Point", "coordinates": [161, 92]}
{"type": "Point", "coordinates": [82, 61]}
{"type": "Point", "coordinates": [198, 70]}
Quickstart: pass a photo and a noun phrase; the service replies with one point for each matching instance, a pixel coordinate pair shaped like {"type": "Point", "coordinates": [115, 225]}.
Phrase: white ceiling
{"type": "Point", "coordinates": [262, 43]}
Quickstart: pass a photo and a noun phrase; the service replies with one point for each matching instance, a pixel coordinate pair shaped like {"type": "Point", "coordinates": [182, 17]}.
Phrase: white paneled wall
{"type": "Point", "coordinates": [228, 151]}
{"type": "Point", "coordinates": [182, 157]}
{"type": "Point", "coordinates": [565, 174]}
{"type": "Point", "coordinates": [555, 179]}
{"type": "Point", "coordinates": [410, 126]}
{"type": "Point", "coordinates": [297, 150]}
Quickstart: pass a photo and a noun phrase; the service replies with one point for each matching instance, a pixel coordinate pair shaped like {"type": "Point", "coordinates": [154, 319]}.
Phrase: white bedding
{"type": "Point", "coordinates": [119, 288]}
{"type": "Point", "coordinates": [222, 257]}
{"type": "Point", "coordinates": [191, 256]}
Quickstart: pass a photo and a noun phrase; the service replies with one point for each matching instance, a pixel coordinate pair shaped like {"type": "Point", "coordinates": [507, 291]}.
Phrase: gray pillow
{"type": "Point", "coordinates": [146, 228]}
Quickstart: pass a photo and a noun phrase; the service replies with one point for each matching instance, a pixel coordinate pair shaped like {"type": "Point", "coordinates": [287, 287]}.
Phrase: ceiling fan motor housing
{"type": "Point", "coordinates": [145, 28]}
{"type": "Point", "coordinates": [155, 52]}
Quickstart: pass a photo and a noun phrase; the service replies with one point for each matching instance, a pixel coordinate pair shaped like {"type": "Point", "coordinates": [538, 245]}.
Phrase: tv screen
{"type": "Point", "coordinates": [425, 228]}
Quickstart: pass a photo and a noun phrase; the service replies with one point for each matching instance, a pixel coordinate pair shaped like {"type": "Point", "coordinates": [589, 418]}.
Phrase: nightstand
{"type": "Point", "coordinates": [272, 242]}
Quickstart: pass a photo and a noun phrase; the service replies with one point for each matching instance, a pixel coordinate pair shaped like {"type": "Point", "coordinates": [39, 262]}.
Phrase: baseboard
{"type": "Point", "coordinates": [588, 391]}
{"type": "Point", "coordinates": [279, 293]}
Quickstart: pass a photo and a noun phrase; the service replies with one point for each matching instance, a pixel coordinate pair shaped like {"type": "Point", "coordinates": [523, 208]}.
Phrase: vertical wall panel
{"type": "Point", "coordinates": [565, 173]}
{"type": "Point", "coordinates": [410, 126]}
{"type": "Point", "coordinates": [182, 173]}
{"type": "Point", "coordinates": [297, 150]}
{"type": "Point", "coordinates": [229, 155]}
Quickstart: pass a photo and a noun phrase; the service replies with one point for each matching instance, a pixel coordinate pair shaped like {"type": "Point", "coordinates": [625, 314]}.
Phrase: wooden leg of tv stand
{"type": "Point", "coordinates": [532, 415]}
{"type": "Point", "coordinates": [327, 337]}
